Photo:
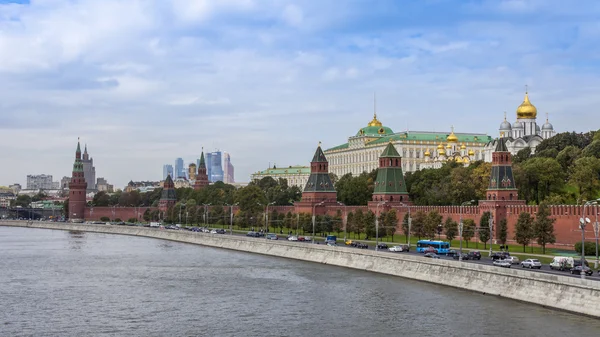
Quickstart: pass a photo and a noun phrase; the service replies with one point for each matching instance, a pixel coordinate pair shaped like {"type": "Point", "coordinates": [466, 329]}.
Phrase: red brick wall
{"type": "Point", "coordinates": [123, 213]}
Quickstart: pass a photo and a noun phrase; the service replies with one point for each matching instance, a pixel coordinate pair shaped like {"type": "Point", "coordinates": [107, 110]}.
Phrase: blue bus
{"type": "Point", "coordinates": [441, 247]}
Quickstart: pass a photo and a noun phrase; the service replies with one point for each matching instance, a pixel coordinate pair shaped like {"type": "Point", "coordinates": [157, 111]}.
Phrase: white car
{"type": "Point", "coordinates": [531, 264]}
{"type": "Point", "coordinates": [512, 259]}
{"type": "Point", "coordinates": [399, 248]}
{"type": "Point", "coordinates": [214, 231]}
{"type": "Point", "coordinates": [502, 263]}
{"type": "Point", "coordinates": [293, 238]}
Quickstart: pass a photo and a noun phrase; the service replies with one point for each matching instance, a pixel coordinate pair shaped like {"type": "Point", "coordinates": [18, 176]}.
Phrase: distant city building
{"type": "Point", "coordinates": [192, 172]}
{"type": "Point", "coordinates": [228, 175]}
{"type": "Point", "coordinates": [182, 183]}
{"type": "Point", "coordinates": [179, 170]}
{"type": "Point", "coordinates": [64, 183]}
{"type": "Point", "coordinates": [142, 185]}
{"type": "Point", "coordinates": [6, 195]}
{"type": "Point", "coordinates": [16, 188]}
{"type": "Point", "coordinates": [167, 170]}
{"type": "Point", "coordinates": [208, 164]}
{"type": "Point", "coordinates": [41, 182]}
{"type": "Point", "coordinates": [89, 171]}
{"type": "Point", "coordinates": [103, 186]}
{"type": "Point", "coordinates": [295, 175]}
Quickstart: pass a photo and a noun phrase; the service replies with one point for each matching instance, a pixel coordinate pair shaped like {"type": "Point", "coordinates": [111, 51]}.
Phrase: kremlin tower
{"type": "Point", "coordinates": [201, 177]}
{"type": "Point", "coordinates": [168, 197]}
{"type": "Point", "coordinates": [77, 189]}
{"type": "Point", "coordinates": [389, 185]}
{"type": "Point", "coordinates": [319, 190]}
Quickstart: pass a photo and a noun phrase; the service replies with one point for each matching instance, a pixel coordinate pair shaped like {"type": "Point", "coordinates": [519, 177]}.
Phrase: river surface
{"type": "Point", "coordinates": [58, 283]}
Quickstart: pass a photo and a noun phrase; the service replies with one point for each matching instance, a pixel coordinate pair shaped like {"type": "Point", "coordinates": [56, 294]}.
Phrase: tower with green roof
{"type": "Point", "coordinates": [77, 188]}
{"type": "Point", "coordinates": [202, 176]}
{"type": "Point", "coordinates": [389, 185]}
{"type": "Point", "coordinates": [168, 197]}
{"type": "Point", "coordinates": [319, 190]}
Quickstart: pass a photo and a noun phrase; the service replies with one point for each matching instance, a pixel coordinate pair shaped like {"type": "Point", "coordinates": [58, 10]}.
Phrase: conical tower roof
{"type": "Point", "coordinates": [78, 147]}
{"type": "Point", "coordinates": [319, 156]}
{"type": "Point", "coordinates": [202, 162]}
{"type": "Point", "coordinates": [501, 146]}
{"type": "Point", "coordinates": [390, 152]}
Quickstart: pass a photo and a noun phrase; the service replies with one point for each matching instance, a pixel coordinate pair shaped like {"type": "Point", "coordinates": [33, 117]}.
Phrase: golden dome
{"type": "Point", "coordinates": [452, 137]}
{"type": "Point", "coordinates": [427, 153]}
{"type": "Point", "coordinates": [375, 121]}
{"type": "Point", "coordinates": [463, 147]}
{"type": "Point", "coordinates": [471, 153]}
{"type": "Point", "coordinates": [526, 109]}
{"type": "Point", "coordinates": [448, 146]}
{"type": "Point", "coordinates": [440, 146]}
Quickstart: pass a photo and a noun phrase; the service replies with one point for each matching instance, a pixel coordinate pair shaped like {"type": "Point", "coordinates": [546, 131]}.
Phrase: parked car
{"type": "Point", "coordinates": [307, 238]}
{"type": "Point", "coordinates": [253, 234]}
{"type": "Point", "coordinates": [382, 246]}
{"type": "Point", "coordinates": [272, 236]}
{"type": "Point", "coordinates": [586, 270]}
{"type": "Point", "coordinates": [502, 263]}
{"type": "Point", "coordinates": [474, 255]}
{"type": "Point", "coordinates": [301, 238]}
{"type": "Point", "coordinates": [220, 231]}
{"type": "Point", "coordinates": [452, 252]}
{"type": "Point", "coordinates": [499, 255]}
{"type": "Point", "coordinates": [432, 255]}
{"type": "Point", "coordinates": [348, 242]}
{"type": "Point", "coordinates": [292, 238]}
{"type": "Point", "coordinates": [331, 243]}
{"type": "Point", "coordinates": [430, 250]}
{"type": "Point", "coordinates": [512, 259]}
{"type": "Point", "coordinates": [465, 256]}
{"type": "Point", "coordinates": [531, 264]}
{"type": "Point", "coordinates": [399, 248]}
{"type": "Point", "coordinates": [213, 231]}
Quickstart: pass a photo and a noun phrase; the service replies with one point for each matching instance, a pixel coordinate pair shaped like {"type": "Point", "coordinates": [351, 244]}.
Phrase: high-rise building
{"type": "Point", "coordinates": [216, 172]}
{"type": "Point", "coordinates": [179, 170]}
{"type": "Point", "coordinates": [40, 182]}
{"type": "Point", "coordinates": [209, 166]}
{"type": "Point", "coordinates": [228, 175]}
{"type": "Point", "coordinates": [167, 171]}
{"type": "Point", "coordinates": [89, 171]}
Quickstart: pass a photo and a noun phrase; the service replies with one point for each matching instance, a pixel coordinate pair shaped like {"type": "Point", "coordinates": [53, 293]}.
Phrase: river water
{"type": "Point", "coordinates": [57, 283]}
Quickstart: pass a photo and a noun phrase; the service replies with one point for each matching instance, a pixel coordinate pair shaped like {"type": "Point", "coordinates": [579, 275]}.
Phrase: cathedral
{"type": "Point", "coordinates": [523, 133]}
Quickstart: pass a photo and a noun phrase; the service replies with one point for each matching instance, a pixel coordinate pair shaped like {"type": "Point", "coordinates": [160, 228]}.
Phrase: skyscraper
{"type": "Point", "coordinates": [167, 171]}
{"type": "Point", "coordinates": [179, 170]}
{"type": "Point", "coordinates": [209, 166]}
{"type": "Point", "coordinates": [228, 175]}
{"type": "Point", "coordinates": [217, 168]}
{"type": "Point", "coordinates": [89, 171]}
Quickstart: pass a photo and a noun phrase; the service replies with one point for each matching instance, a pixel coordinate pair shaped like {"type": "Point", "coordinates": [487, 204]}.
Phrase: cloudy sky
{"type": "Point", "coordinates": [145, 81]}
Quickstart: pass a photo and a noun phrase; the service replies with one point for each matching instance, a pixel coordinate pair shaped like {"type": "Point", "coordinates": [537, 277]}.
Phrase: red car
{"type": "Point", "coordinates": [430, 250]}
{"type": "Point", "coordinates": [301, 238]}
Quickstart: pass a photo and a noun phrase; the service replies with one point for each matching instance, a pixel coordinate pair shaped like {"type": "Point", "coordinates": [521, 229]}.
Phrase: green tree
{"type": "Point", "coordinates": [450, 229]}
{"type": "Point", "coordinates": [23, 200]}
{"type": "Point", "coordinates": [369, 224]}
{"type": "Point", "coordinates": [566, 158]}
{"type": "Point", "coordinates": [147, 215]}
{"type": "Point", "coordinates": [585, 174]}
{"type": "Point", "coordinates": [101, 199]}
{"type": "Point", "coordinates": [484, 228]}
{"type": "Point", "coordinates": [524, 229]}
{"type": "Point", "coordinates": [359, 222]}
{"type": "Point", "coordinates": [419, 222]}
{"type": "Point", "coordinates": [468, 230]}
{"type": "Point", "coordinates": [405, 227]}
{"type": "Point", "coordinates": [433, 224]}
{"type": "Point", "coordinates": [350, 223]}
{"type": "Point", "coordinates": [503, 231]}
{"type": "Point", "coordinates": [522, 155]}
{"type": "Point", "coordinates": [355, 190]}
{"type": "Point", "coordinates": [391, 222]}
{"type": "Point", "coordinates": [337, 222]}
{"type": "Point", "coordinates": [543, 227]}
{"type": "Point", "coordinates": [592, 150]}
{"type": "Point", "coordinates": [251, 201]}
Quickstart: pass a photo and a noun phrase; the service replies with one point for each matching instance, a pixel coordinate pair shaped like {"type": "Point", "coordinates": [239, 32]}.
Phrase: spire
{"type": "Point", "coordinates": [374, 106]}
{"type": "Point", "coordinates": [202, 163]}
{"type": "Point", "coordinates": [319, 156]}
{"type": "Point", "coordinates": [501, 146]}
{"type": "Point", "coordinates": [78, 146]}
{"type": "Point", "coordinates": [505, 116]}
{"type": "Point", "coordinates": [85, 150]}
{"type": "Point", "coordinates": [546, 117]}
{"type": "Point", "coordinates": [390, 152]}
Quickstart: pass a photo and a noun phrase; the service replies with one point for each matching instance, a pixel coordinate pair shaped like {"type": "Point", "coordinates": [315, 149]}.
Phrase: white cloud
{"type": "Point", "coordinates": [293, 15]}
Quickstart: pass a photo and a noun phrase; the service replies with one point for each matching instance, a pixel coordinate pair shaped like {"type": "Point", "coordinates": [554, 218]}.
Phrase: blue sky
{"type": "Point", "coordinates": [144, 82]}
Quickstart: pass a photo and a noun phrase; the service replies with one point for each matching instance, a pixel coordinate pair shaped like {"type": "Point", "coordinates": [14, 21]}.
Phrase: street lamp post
{"type": "Point", "coordinates": [231, 217]}
{"type": "Point", "coordinates": [461, 226]}
{"type": "Point", "coordinates": [345, 219]}
{"type": "Point", "coordinates": [491, 223]}
{"type": "Point", "coordinates": [206, 214]}
{"type": "Point", "coordinates": [314, 219]}
{"type": "Point", "coordinates": [267, 218]}
{"type": "Point", "coordinates": [409, 223]}
{"type": "Point", "coordinates": [180, 205]}
{"type": "Point", "coordinates": [583, 221]}
{"type": "Point", "coordinates": [377, 224]}
{"type": "Point", "coordinates": [596, 234]}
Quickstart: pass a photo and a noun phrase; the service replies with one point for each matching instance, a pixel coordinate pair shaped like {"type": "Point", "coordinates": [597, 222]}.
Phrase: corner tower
{"type": "Point", "coordinates": [168, 197]}
{"type": "Point", "coordinates": [77, 188]}
{"type": "Point", "coordinates": [319, 190]}
{"type": "Point", "coordinates": [202, 176]}
{"type": "Point", "coordinates": [389, 185]}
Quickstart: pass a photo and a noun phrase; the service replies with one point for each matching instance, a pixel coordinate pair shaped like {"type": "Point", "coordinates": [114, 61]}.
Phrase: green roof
{"type": "Point", "coordinates": [390, 152]}
{"type": "Point", "coordinates": [319, 182]}
{"type": "Point", "coordinates": [390, 180]}
{"type": "Point", "coordinates": [78, 148]}
{"type": "Point", "coordinates": [374, 130]}
{"type": "Point", "coordinates": [435, 137]}
{"type": "Point", "coordinates": [285, 170]}
{"type": "Point", "coordinates": [339, 147]}
{"type": "Point", "coordinates": [501, 146]}
{"type": "Point", "coordinates": [319, 156]}
{"type": "Point", "coordinates": [202, 163]}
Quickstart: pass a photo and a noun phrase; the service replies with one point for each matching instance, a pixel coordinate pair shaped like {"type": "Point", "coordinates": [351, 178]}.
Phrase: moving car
{"type": "Point", "coordinates": [500, 255]}
{"type": "Point", "coordinates": [272, 236]}
{"type": "Point", "coordinates": [429, 250]}
{"type": "Point", "coordinates": [399, 248]}
{"type": "Point", "coordinates": [331, 243]}
{"type": "Point", "coordinates": [348, 242]}
{"type": "Point", "coordinates": [253, 234]}
{"type": "Point", "coordinates": [292, 238]}
{"type": "Point", "coordinates": [512, 259]}
{"type": "Point", "coordinates": [220, 231]}
{"type": "Point", "coordinates": [474, 255]}
{"type": "Point", "coordinates": [502, 263]}
{"type": "Point", "coordinates": [586, 270]}
{"type": "Point", "coordinates": [465, 256]}
{"type": "Point", "coordinates": [360, 245]}
{"type": "Point", "coordinates": [432, 255]}
{"type": "Point", "coordinates": [382, 246]}
{"type": "Point", "coordinates": [531, 264]}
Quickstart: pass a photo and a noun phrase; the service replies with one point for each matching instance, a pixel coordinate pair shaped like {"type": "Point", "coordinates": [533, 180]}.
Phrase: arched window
{"type": "Point", "coordinates": [489, 196]}
{"type": "Point", "coordinates": [510, 197]}
{"type": "Point", "coordinates": [391, 198]}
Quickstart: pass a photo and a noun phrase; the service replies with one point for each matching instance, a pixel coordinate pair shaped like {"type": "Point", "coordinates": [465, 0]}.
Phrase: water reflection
{"type": "Point", "coordinates": [76, 239]}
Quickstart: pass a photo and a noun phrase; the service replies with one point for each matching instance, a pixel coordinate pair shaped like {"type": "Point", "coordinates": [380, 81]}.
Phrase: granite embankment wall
{"type": "Point", "coordinates": [554, 291]}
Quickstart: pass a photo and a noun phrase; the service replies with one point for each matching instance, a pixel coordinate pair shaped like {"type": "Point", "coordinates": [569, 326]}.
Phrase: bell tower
{"type": "Point", "coordinates": [201, 177]}
{"type": "Point", "coordinates": [77, 188]}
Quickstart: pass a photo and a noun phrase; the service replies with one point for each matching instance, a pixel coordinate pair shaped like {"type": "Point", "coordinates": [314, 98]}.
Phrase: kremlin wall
{"type": "Point", "coordinates": [389, 193]}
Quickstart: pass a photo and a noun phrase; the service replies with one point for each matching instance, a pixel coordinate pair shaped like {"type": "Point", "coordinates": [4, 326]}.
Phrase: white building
{"type": "Point", "coordinates": [417, 148]}
{"type": "Point", "coordinates": [295, 175]}
{"type": "Point", "coordinates": [523, 133]}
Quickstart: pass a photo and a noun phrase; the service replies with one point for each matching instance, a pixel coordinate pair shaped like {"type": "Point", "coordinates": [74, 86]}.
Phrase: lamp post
{"type": "Point", "coordinates": [91, 212]}
{"type": "Point", "coordinates": [409, 223]}
{"type": "Point", "coordinates": [231, 217]}
{"type": "Point", "coordinates": [583, 221]}
{"type": "Point", "coordinates": [345, 220]}
{"type": "Point", "coordinates": [314, 218]}
{"type": "Point", "coordinates": [377, 224]}
{"type": "Point", "coordinates": [460, 225]}
{"type": "Point", "coordinates": [180, 205]}
{"type": "Point", "coordinates": [113, 213]}
{"type": "Point", "coordinates": [491, 223]}
{"type": "Point", "coordinates": [267, 218]}
{"type": "Point", "coordinates": [206, 214]}
{"type": "Point", "coordinates": [596, 234]}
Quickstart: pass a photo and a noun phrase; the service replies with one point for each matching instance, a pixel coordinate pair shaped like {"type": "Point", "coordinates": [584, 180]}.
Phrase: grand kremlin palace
{"type": "Point", "coordinates": [422, 149]}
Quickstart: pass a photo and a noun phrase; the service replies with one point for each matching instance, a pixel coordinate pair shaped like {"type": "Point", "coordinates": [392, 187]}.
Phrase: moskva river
{"type": "Point", "coordinates": [57, 283]}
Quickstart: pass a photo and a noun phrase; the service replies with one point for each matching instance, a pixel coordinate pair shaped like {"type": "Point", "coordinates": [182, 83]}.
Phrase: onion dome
{"type": "Point", "coordinates": [448, 146]}
{"type": "Point", "coordinates": [463, 147]}
{"type": "Point", "coordinates": [452, 137]}
{"type": "Point", "coordinates": [471, 153]}
{"type": "Point", "coordinates": [505, 126]}
{"type": "Point", "coordinates": [441, 151]}
{"type": "Point", "coordinates": [427, 153]}
{"type": "Point", "coordinates": [518, 125]}
{"type": "Point", "coordinates": [526, 109]}
{"type": "Point", "coordinates": [375, 121]}
{"type": "Point", "coordinates": [537, 128]}
{"type": "Point", "coordinates": [547, 126]}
